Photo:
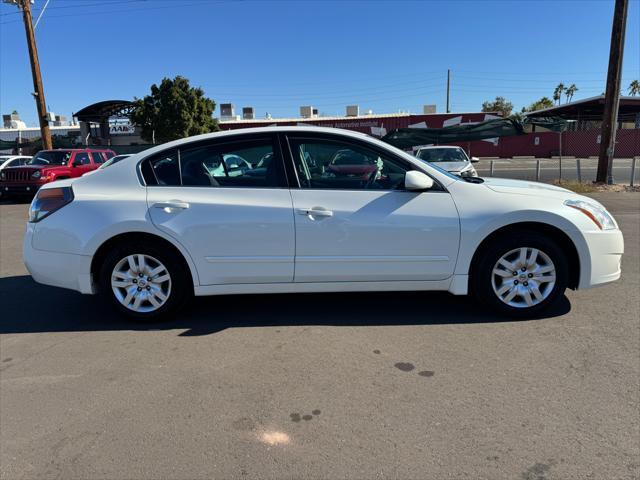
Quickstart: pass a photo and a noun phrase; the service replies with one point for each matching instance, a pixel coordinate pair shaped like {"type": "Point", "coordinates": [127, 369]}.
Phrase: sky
{"type": "Point", "coordinates": [387, 56]}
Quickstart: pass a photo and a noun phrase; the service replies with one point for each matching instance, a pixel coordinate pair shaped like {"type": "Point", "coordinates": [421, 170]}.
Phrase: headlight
{"type": "Point", "coordinates": [3, 176]}
{"type": "Point", "coordinates": [49, 200]}
{"type": "Point", "coordinates": [36, 175]}
{"type": "Point", "coordinates": [599, 215]}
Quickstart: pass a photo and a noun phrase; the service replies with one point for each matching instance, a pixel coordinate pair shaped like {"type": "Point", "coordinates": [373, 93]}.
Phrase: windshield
{"type": "Point", "coordinates": [442, 155]}
{"type": "Point", "coordinates": [57, 157]}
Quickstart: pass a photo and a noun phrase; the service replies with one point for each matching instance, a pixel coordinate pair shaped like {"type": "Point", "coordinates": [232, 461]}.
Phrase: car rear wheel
{"type": "Point", "coordinates": [521, 274]}
{"type": "Point", "coordinates": [144, 282]}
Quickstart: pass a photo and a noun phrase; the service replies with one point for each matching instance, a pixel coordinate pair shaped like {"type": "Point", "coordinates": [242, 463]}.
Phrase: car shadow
{"type": "Point", "coordinates": [28, 307]}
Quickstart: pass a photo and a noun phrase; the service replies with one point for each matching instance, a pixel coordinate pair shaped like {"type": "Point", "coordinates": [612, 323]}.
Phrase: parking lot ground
{"type": "Point", "coordinates": [393, 385]}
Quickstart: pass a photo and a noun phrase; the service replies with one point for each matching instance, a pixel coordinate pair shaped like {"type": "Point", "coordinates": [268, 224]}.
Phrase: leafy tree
{"type": "Point", "coordinates": [544, 102]}
{"type": "Point", "coordinates": [173, 110]}
{"type": "Point", "coordinates": [634, 88]}
{"type": "Point", "coordinates": [557, 93]}
{"type": "Point", "coordinates": [499, 105]}
{"type": "Point", "coordinates": [570, 92]}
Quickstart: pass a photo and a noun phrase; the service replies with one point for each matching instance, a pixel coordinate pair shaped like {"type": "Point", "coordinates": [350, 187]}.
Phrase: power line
{"type": "Point", "coordinates": [146, 9]}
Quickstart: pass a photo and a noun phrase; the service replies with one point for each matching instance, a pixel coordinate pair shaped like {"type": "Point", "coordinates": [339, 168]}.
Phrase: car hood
{"type": "Point", "coordinates": [452, 166]}
{"type": "Point", "coordinates": [26, 167]}
{"type": "Point", "coordinates": [523, 187]}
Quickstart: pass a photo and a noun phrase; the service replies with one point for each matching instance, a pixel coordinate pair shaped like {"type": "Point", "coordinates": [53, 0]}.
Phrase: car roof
{"type": "Point", "coordinates": [257, 130]}
{"type": "Point", "coordinates": [77, 150]}
{"type": "Point", "coordinates": [433, 147]}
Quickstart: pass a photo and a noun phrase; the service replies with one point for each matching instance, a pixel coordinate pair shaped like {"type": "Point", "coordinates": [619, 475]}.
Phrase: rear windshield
{"type": "Point", "coordinates": [58, 157]}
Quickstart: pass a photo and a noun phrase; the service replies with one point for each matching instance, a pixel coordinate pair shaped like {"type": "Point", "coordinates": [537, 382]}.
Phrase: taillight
{"type": "Point", "coordinates": [47, 201]}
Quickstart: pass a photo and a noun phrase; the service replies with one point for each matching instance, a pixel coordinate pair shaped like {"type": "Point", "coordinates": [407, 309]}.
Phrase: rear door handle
{"type": "Point", "coordinates": [171, 205]}
{"type": "Point", "coordinates": [315, 212]}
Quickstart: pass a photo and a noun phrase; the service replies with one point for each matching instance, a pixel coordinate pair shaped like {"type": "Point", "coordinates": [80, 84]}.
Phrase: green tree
{"type": "Point", "coordinates": [173, 110]}
{"type": "Point", "coordinates": [557, 93]}
{"type": "Point", "coordinates": [634, 88]}
{"type": "Point", "coordinates": [570, 92]}
{"type": "Point", "coordinates": [499, 105]}
{"type": "Point", "coordinates": [544, 102]}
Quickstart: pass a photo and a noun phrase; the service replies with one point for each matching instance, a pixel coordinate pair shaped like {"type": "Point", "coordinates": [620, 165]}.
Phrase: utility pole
{"type": "Point", "coordinates": [612, 95]}
{"type": "Point", "coordinates": [25, 6]}
{"type": "Point", "coordinates": [448, 88]}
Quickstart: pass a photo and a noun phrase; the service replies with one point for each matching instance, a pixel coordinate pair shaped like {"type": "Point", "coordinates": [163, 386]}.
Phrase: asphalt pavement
{"type": "Point", "coordinates": [384, 385]}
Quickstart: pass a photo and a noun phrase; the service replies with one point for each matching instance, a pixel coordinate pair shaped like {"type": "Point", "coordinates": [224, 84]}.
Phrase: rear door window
{"type": "Point", "coordinates": [246, 163]}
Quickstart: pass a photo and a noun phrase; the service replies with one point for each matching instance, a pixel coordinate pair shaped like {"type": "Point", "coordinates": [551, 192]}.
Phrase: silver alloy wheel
{"type": "Point", "coordinates": [141, 283]}
{"type": "Point", "coordinates": [523, 277]}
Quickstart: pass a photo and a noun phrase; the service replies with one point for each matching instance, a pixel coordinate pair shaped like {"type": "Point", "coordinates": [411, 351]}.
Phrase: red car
{"type": "Point", "coordinates": [349, 163]}
{"type": "Point", "coordinates": [49, 165]}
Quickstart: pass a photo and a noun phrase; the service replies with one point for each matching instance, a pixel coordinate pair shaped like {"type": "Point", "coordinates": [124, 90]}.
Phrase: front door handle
{"type": "Point", "coordinates": [315, 212]}
{"type": "Point", "coordinates": [171, 206]}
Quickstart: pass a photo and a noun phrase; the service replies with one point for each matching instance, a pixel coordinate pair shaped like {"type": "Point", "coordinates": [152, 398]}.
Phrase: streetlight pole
{"type": "Point", "coordinates": [25, 6]}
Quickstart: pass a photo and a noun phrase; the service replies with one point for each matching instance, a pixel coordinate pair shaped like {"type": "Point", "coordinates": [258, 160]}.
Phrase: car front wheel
{"type": "Point", "coordinates": [521, 275]}
{"type": "Point", "coordinates": [143, 282]}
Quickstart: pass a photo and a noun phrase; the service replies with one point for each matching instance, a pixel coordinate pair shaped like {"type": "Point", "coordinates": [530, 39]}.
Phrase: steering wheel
{"type": "Point", "coordinates": [371, 181]}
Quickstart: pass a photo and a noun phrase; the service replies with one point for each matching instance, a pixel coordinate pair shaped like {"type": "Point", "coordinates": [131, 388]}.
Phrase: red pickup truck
{"type": "Point", "coordinates": [49, 165]}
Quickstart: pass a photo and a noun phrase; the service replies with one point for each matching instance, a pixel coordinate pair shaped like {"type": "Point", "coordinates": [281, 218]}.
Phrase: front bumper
{"type": "Point", "coordinates": [19, 188]}
{"type": "Point", "coordinates": [604, 250]}
{"type": "Point", "coordinates": [64, 270]}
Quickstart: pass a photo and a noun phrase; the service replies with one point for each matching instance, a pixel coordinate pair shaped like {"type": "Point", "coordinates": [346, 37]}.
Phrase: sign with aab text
{"type": "Point", "coordinates": [121, 126]}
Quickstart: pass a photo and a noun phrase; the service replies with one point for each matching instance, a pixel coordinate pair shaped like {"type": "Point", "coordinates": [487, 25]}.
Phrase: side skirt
{"type": "Point", "coordinates": [292, 287]}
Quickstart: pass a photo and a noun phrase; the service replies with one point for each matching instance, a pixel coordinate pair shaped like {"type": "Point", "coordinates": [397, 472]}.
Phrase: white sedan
{"type": "Point", "coordinates": [12, 161]}
{"type": "Point", "coordinates": [158, 227]}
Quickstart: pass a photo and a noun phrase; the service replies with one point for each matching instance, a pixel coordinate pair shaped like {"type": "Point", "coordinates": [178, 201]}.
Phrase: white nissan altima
{"type": "Point", "coordinates": [174, 221]}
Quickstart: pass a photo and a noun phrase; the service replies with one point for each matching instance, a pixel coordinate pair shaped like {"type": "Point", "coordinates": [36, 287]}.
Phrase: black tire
{"type": "Point", "coordinates": [482, 278]}
{"type": "Point", "coordinates": [181, 287]}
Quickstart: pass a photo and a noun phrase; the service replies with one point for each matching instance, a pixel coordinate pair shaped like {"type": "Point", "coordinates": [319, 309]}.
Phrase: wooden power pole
{"type": "Point", "coordinates": [612, 95]}
{"type": "Point", "coordinates": [448, 89]}
{"type": "Point", "coordinates": [38, 94]}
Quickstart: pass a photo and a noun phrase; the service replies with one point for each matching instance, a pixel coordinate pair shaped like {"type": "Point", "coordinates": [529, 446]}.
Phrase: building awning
{"type": "Point", "coordinates": [591, 109]}
{"type": "Point", "coordinates": [101, 111]}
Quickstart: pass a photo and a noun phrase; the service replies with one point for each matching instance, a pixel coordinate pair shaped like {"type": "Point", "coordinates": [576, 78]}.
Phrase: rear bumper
{"type": "Point", "coordinates": [605, 249]}
{"type": "Point", "coordinates": [63, 270]}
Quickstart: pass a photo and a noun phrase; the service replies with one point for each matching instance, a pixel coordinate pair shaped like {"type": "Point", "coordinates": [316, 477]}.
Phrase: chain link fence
{"type": "Point", "coordinates": [574, 157]}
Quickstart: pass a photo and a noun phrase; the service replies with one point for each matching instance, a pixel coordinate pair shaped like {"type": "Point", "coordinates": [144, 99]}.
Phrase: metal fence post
{"type": "Point", "coordinates": [491, 168]}
{"type": "Point", "coordinates": [633, 171]}
{"type": "Point", "coordinates": [560, 157]}
{"type": "Point", "coordinates": [579, 170]}
{"type": "Point", "coordinates": [538, 170]}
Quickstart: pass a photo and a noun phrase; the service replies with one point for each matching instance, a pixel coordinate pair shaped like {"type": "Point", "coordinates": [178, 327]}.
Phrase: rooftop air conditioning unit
{"type": "Point", "coordinates": [248, 113]}
{"type": "Point", "coordinates": [353, 110]}
{"type": "Point", "coordinates": [306, 111]}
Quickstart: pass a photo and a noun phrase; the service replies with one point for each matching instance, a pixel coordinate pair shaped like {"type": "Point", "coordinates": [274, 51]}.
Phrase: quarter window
{"type": "Point", "coordinates": [97, 157]}
{"type": "Point", "coordinates": [337, 165]}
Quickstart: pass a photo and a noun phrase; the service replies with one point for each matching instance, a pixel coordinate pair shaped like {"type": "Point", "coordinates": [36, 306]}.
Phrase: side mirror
{"type": "Point", "coordinates": [417, 181]}
{"type": "Point", "coordinates": [475, 159]}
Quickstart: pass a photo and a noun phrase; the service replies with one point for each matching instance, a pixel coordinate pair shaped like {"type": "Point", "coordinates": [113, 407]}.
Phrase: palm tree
{"type": "Point", "coordinates": [557, 93]}
{"type": "Point", "coordinates": [570, 92]}
{"type": "Point", "coordinates": [634, 88]}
